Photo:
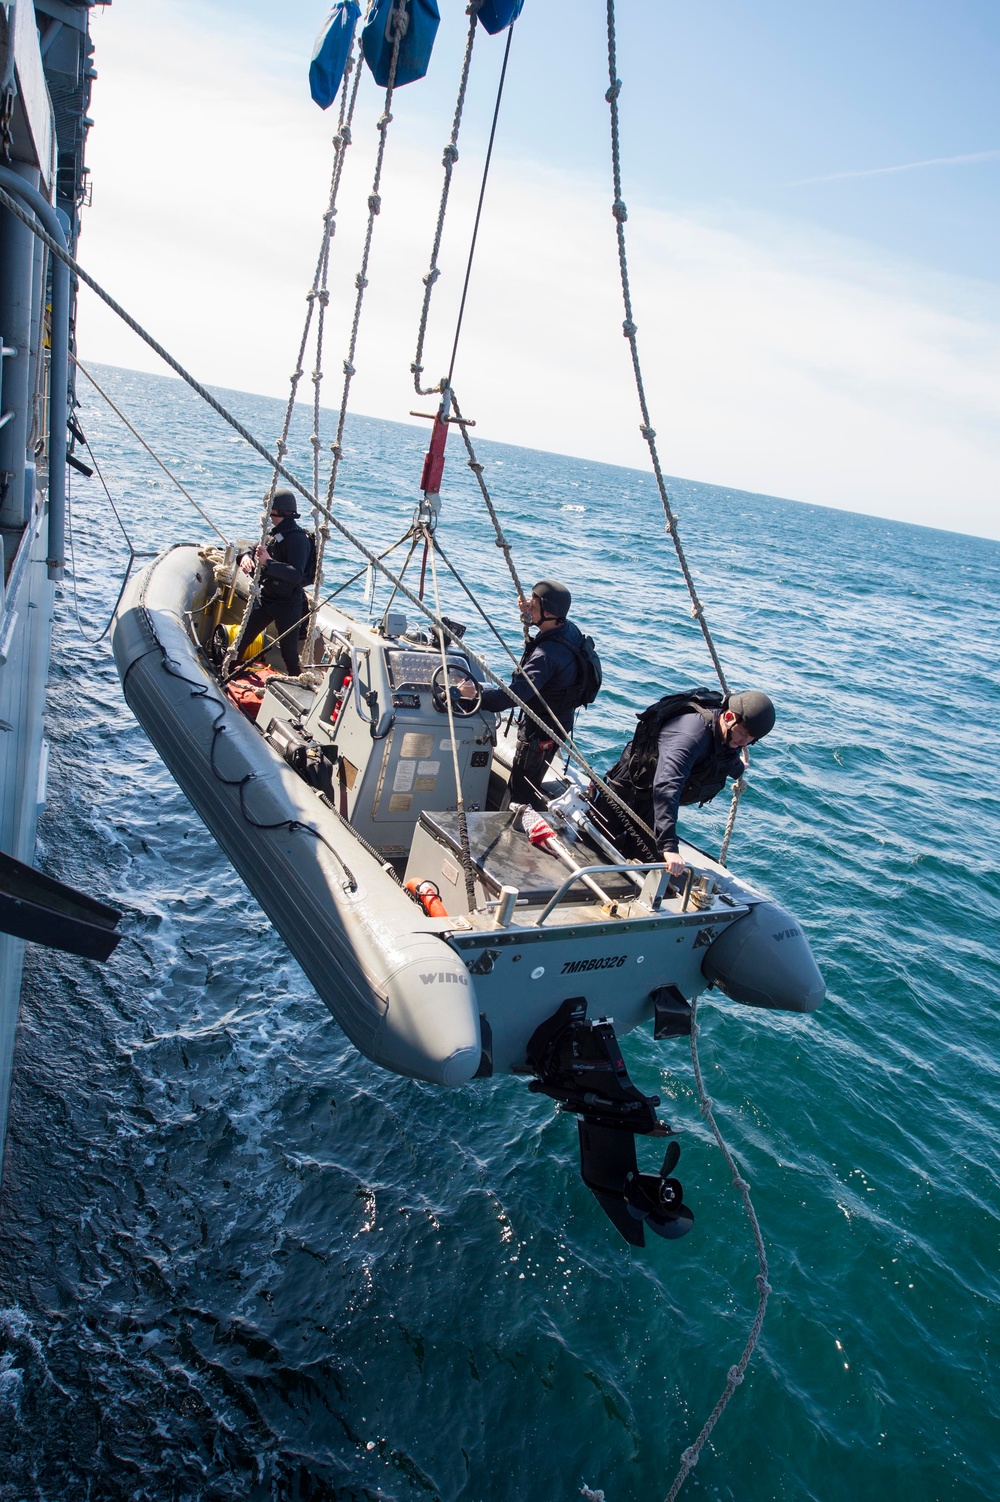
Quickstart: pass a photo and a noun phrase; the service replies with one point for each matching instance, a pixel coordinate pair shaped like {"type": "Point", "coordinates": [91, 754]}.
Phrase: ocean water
{"type": "Point", "coordinates": [239, 1261]}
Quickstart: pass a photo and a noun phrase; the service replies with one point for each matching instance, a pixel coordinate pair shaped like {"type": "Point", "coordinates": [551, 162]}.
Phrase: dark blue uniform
{"type": "Point", "coordinates": [692, 765]}
{"type": "Point", "coordinates": [691, 757]}
{"type": "Point", "coordinates": [552, 670]}
{"type": "Point", "coordinates": [282, 596]}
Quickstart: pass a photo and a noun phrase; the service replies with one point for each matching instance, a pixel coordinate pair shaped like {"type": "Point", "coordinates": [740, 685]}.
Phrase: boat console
{"type": "Point", "coordinates": [373, 730]}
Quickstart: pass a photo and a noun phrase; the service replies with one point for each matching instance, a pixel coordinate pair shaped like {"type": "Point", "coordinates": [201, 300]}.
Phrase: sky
{"type": "Point", "coordinates": [814, 232]}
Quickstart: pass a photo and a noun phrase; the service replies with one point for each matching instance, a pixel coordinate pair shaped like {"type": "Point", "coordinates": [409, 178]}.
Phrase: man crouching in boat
{"type": "Point", "coordinates": [285, 557]}
{"type": "Point", "coordinates": [685, 747]}
{"type": "Point", "coordinates": [553, 680]}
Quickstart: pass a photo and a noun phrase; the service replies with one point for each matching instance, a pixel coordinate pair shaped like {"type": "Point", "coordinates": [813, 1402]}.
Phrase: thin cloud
{"type": "Point", "coordinates": [935, 161]}
{"type": "Point", "coordinates": [776, 360]}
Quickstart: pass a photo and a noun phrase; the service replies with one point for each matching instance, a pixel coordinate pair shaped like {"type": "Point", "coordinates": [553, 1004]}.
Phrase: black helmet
{"type": "Point", "coordinates": [754, 709]}
{"type": "Point", "coordinates": [554, 598]}
{"type": "Point", "coordinates": [284, 503]}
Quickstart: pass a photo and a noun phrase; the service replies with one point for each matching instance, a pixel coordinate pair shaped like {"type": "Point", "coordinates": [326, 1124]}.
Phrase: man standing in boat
{"type": "Point", "coordinates": [556, 675]}
{"type": "Point", "coordinates": [285, 559]}
{"type": "Point", "coordinates": [685, 747]}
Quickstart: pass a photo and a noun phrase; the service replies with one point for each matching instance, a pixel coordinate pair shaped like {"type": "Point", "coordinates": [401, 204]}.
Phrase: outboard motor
{"type": "Point", "coordinates": [578, 1062]}
{"type": "Point", "coordinates": [764, 960]}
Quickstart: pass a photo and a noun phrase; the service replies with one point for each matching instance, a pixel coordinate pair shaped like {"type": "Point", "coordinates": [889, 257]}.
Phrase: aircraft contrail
{"type": "Point", "coordinates": [934, 161]}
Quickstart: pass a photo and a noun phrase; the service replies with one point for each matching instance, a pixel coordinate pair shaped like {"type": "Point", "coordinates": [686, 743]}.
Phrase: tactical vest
{"type": "Point", "coordinates": [289, 544]}
{"type": "Point", "coordinates": [633, 774]}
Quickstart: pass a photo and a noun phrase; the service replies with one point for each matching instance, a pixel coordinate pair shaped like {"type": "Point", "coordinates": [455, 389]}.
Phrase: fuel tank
{"type": "Point", "coordinates": [764, 960]}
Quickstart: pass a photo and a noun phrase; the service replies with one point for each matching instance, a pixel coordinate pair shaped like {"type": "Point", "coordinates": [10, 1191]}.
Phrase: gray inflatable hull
{"type": "Point", "coordinates": [764, 960]}
{"type": "Point", "coordinates": [401, 994]}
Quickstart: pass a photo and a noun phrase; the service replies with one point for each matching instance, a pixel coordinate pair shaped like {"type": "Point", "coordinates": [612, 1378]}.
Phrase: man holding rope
{"type": "Point", "coordinates": [553, 680]}
{"type": "Point", "coordinates": [285, 559]}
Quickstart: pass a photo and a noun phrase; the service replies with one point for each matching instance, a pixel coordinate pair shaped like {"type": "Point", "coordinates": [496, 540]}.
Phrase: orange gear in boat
{"type": "Point", "coordinates": [429, 898]}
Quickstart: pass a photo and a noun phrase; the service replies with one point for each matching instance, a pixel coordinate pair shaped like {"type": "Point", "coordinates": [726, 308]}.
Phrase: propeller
{"type": "Point", "coordinates": [670, 1158]}
{"type": "Point", "coordinates": [658, 1199]}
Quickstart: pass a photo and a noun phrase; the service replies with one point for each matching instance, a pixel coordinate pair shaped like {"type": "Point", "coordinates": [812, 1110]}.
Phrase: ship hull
{"type": "Point", "coordinates": [25, 636]}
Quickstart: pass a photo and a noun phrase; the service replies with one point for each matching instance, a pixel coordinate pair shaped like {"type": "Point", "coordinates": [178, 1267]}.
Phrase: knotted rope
{"type": "Point", "coordinates": [735, 1375]}
{"type": "Point", "coordinates": [646, 428]}
{"type": "Point", "coordinates": [317, 297]}
{"type": "Point", "coordinates": [449, 158]}
{"type": "Point", "coordinates": [690, 1456]}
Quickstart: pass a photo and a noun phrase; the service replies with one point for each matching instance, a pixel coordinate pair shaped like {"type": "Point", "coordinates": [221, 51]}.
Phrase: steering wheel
{"type": "Point", "coordinates": [441, 690]}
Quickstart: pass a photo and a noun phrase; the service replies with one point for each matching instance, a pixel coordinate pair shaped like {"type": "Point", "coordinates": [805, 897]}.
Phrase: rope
{"type": "Point", "coordinates": [133, 554]}
{"type": "Point", "coordinates": [735, 1375]}
{"type": "Point", "coordinates": [689, 1457]}
{"type": "Point", "coordinates": [317, 295]}
{"type": "Point", "coordinates": [479, 208]}
{"type": "Point", "coordinates": [402, 573]}
{"type": "Point", "coordinates": [739, 787]}
{"type": "Point", "coordinates": [463, 823]}
{"type": "Point", "coordinates": [477, 470]}
{"type": "Point", "coordinates": [646, 428]}
{"type": "Point", "coordinates": [320, 292]}
{"type": "Point", "coordinates": [475, 603]}
{"type": "Point", "coordinates": [154, 456]}
{"type": "Point", "coordinates": [399, 21]}
{"type": "Point", "coordinates": [629, 328]}
{"type": "Point", "coordinates": [314, 295]}
{"type": "Point", "coordinates": [364, 569]}
{"type": "Point", "coordinates": [344, 138]}
{"type": "Point", "coordinates": [449, 159]}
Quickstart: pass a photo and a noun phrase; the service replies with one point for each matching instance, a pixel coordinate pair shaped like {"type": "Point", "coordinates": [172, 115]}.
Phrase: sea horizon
{"type": "Point", "coordinates": [671, 479]}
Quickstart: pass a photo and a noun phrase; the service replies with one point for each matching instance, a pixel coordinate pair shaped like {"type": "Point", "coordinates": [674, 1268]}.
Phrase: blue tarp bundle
{"type": "Point", "coordinates": [494, 15]}
{"type": "Point", "coordinates": [333, 47]}
{"type": "Point", "coordinates": [414, 49]}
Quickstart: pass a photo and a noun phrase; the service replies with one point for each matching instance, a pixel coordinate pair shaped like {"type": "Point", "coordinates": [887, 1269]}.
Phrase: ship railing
{"type": "Point", "coordinates": [621, 868]}
{"type": "Point", "coordinates": [7, 351]}
{"type": "Point", "coordinates": [39, 440]}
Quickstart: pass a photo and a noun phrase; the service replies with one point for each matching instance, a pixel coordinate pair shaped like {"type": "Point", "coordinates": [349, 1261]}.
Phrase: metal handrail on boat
{"type": "Point", "coordinates": [621, 868]}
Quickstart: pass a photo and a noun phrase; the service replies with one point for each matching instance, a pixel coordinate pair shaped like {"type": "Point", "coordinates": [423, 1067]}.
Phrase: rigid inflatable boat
{"type": "Point", "coordinates": [445, 957]}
